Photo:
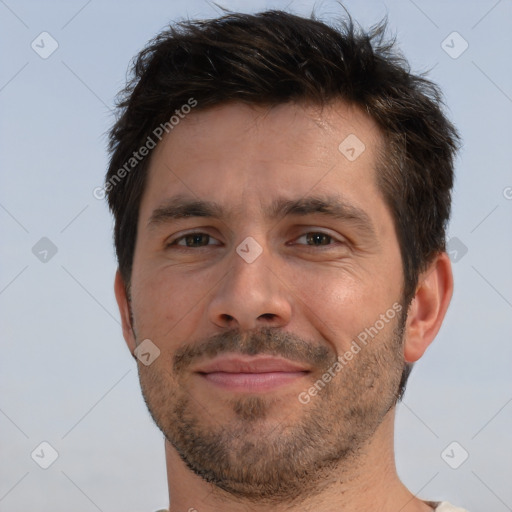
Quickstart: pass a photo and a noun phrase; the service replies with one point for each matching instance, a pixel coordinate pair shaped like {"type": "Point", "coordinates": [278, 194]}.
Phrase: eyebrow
{"type": "Point", "coordinates": [330, 206]}
{"type": "Point", "coordinates": [179, 207]}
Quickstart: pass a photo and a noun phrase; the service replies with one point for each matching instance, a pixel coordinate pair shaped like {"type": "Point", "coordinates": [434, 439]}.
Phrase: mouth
{"type": "Point", "coordinates": [251, 374]}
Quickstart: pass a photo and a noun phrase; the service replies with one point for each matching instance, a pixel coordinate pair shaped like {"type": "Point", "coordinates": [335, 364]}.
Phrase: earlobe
{"type": "Point", "coordinates": [428, 307]}
{"type": "Point", "coordinates": [124, 310]}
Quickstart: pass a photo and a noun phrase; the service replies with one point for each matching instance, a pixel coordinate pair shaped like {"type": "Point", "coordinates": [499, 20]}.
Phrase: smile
{"type": "Point", "coordinates": [251, 374]}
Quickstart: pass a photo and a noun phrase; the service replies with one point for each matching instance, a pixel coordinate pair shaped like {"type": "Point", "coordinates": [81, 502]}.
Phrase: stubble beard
{"type": "Point", "coordinates": [255, 458]}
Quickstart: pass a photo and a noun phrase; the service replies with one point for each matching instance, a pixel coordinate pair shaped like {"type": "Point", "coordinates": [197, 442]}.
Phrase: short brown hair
{"type": "Point", "coordinates": [275, 57]}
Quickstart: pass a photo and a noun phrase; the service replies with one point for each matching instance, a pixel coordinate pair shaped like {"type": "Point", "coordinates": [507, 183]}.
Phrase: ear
{"type": "Point", "coordinates": [124, 310]}
{"type": "Point", "coordinates": [428, 307]}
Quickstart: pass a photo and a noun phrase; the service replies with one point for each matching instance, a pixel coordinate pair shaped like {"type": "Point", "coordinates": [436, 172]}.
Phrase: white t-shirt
{"type": "Point", "coordinates": [447, 507]}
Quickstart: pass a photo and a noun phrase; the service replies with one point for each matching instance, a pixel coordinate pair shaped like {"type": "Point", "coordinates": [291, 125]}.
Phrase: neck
{"type": "Point", "coordinates": [356, 485]}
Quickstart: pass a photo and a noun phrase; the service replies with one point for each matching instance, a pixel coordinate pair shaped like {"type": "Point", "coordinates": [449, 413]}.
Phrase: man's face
{"type": "Point", "coordinates": [262, 252]}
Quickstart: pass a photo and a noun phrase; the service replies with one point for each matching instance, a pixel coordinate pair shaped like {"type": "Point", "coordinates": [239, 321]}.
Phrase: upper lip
{"type": "Point", "coordinates": [250, 364]}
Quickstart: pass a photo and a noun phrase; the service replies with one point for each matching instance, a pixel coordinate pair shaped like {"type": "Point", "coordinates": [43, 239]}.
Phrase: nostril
{"type": "Point", "coordinates": [267, 316]}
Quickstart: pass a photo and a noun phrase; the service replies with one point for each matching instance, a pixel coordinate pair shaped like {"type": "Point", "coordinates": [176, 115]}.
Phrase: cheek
{"type": "Point", "coordinates": [341, 304]}
{"type": "Point", "coordinates": [165, 303]}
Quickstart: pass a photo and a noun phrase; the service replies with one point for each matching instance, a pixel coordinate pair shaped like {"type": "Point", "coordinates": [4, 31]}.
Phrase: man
{"type": "Point", "coordinates": [280, 191]}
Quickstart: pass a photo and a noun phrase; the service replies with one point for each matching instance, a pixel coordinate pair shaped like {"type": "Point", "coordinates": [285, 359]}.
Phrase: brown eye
{"type": "Point", "coordinates": [318, 239]}
{"type": "Point", "coordinates": [193, 240]}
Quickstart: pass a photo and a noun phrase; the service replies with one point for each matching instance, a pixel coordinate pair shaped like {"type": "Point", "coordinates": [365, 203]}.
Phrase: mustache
{"type": "Point", "coordinates": [267, 341]}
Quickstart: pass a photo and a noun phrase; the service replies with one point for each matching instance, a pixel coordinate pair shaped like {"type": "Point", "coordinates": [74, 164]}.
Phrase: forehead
{"type": "Point", "coordinates": [248, 155]}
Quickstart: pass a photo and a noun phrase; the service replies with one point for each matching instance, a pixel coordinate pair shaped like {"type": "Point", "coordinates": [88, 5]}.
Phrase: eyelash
{"type": "Point", "coordinates": [322, 233]}
{"type": "Point", "coordinates": [193, 233]}
{"type": "Point", "coordinates": [333, 241]}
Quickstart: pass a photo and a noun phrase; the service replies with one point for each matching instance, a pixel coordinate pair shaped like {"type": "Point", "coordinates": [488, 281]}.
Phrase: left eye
{"type": "Point", "coordinates": [316, 238]}
{"type": "Point", "coordinates": [195, 240]}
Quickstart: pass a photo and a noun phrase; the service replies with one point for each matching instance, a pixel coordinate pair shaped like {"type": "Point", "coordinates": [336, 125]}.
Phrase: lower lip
{"type": "Point", "coordinates": [252, 382]}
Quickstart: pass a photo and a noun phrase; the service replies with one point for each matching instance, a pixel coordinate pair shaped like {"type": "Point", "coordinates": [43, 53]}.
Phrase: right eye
{"type": "Point", "coordinates": [194, 240]}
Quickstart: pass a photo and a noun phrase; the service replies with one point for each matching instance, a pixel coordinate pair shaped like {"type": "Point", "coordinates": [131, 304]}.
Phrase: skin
{"type": "Point", "coordinates": [319, 294]}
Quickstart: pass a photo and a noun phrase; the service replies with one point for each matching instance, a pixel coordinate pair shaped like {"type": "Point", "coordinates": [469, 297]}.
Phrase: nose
{"type": "Point", "coordinates": [251, 295]}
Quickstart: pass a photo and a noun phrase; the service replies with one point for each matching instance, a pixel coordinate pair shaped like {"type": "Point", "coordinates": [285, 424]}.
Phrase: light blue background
{"type": "Point", "coordinates": [66, 375]}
